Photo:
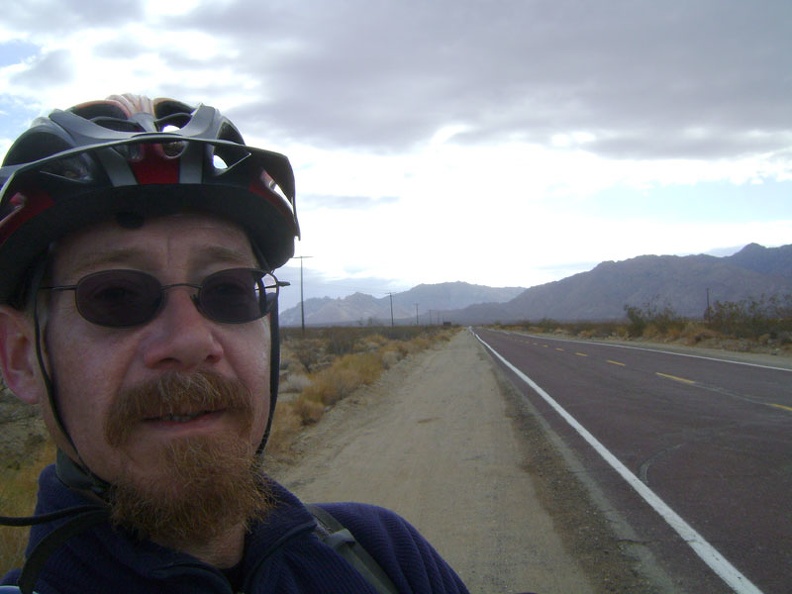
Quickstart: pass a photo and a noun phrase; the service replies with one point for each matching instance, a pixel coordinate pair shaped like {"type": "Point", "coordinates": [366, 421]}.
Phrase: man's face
{"type": "Point", "coordinates": [96, 368]}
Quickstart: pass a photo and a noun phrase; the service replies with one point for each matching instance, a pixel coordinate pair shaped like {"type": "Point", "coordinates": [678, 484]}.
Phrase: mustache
{"type": "Point", "coordinates": [175, 395]}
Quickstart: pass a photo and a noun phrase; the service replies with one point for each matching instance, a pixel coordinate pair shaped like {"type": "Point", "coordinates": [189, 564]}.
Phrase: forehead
{"type": "Point", "coordinates": [184, 237]}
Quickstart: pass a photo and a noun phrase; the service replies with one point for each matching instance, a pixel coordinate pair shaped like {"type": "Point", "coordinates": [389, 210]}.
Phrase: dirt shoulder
{"type": "Point", "coordinates": [445, 442]}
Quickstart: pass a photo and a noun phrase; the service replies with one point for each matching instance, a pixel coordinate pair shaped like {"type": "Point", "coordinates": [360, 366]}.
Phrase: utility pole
{"type": "Point", "coordinates": [708, 305]}
{"type": "Point", "coordinates": [391, 303]}
{"type": "Point", "coordinates": [302, 297]}
{"type": "Point", "coordinates": [417, 323]}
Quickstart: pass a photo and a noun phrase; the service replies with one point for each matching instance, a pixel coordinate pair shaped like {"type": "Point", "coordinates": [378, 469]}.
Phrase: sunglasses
{"type": "Point", "coordinates": [123, 298]}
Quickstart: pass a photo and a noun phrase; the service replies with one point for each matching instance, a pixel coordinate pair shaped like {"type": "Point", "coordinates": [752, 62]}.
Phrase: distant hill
{"type": "Point", "coordinates": [424, 301]}
{"type": "Point", "coordinates": [681, 282]}
{"type": "Point", "coordinates": [771, 261]}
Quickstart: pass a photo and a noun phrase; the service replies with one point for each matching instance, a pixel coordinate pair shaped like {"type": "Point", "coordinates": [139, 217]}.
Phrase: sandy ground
{"type": "Point", "coordinates": [443, 441]}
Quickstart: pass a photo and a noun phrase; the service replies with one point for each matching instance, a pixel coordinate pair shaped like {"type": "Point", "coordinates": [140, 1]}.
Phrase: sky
{"type": "Point", "coordinates": [495, 142]}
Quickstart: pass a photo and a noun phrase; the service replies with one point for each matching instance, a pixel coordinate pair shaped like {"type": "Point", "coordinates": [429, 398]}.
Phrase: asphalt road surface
{"type": "Point", "coordinates": [692, 454]}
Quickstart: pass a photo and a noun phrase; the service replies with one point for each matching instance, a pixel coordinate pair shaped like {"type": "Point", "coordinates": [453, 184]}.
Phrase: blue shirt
{"type": "Point", "coordinates": [283, 554]}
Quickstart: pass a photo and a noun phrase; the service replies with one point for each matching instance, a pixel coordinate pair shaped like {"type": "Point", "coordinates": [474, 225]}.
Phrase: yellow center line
{"type": "Point", "coordinates": [559, 349]}
{"type": "Point", "coordinates": [675, 378]}
{"type": "Point", "coordinates": [581, 354]}
{"type": "Point", "coordinates": [781, 406]}
{"type": "Point", "coordinates": [619, 363]}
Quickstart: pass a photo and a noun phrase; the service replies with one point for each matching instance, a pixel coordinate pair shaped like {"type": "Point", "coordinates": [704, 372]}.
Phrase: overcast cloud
{"type": "Point", "coordinates": [502, 140]}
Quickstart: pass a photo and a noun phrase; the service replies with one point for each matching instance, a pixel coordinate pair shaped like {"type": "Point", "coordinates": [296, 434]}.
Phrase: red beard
{"type": "Point", "coordinates": [200, 486]}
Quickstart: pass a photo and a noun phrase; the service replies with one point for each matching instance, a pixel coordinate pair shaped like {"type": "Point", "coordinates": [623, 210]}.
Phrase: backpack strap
{"type": "Point", "coordinates": [338, 538]}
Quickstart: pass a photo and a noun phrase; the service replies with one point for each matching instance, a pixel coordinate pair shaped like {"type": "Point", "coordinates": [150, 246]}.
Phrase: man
{"type": "Point", "coordinates": [139, 310]}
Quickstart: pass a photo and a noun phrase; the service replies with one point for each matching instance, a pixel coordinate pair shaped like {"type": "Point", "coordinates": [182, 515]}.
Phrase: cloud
{"type": "Point", "coordinates": [315, 202]}
{"type": "Point", "coordinates": [385, 76]}
{"type": "Point", "coordinates": [645, 79]}
{"type": "Point", "coordinates": [692, 143]}
{"type": "Point", "coordinates": [65, 17]}
{"type": "Point", "coordinates": [55, 67]}
{"type": "Point", "coordinates": [493, 141]}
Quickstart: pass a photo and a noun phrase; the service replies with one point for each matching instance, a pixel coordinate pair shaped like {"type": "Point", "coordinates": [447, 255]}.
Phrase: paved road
{"type": "Point", "coordinates": [710, 439]}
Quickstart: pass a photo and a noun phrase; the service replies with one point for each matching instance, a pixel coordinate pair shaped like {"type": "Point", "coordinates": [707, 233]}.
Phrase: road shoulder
{"type": "Point", "coordinates": [444, 440]}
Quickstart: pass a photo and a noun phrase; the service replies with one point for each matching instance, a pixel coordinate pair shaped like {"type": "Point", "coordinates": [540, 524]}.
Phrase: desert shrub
{"type": "Point", "coordinates": [294, 382]}
{"type": "Point", "coordinates": [585, 329]}
{"type": "Point", "coordinates": [695, 332]}
{"type": "Point", "coordinates": [752, 318]}
{"type": "Point", "coordinates": [309, 352]}
{"type": "Point", "coordinates": [651, 319]}
{"type": "Point", "coordinates": [651, 332]}
{"type": "Point", "coordinates": [548, 325]}
{"type": "Point", "coordinates": [308, 411]}
{"type": "Point", "coordinates": [674, 332]}
{"type": "Point", "coordinates": [637, 321]}
{"type": "Point", "coordinates": [343, 377]}
{"type": "Point", "coordinates": [342, 341]}
{"type": "Point", "coordinates": [372, 342]}
{"type": "Point", "coordinates": [390, 357]}
{"type": "Point", "coordinates": [405, 333]}
{"type": "Point", "coordinates": [416, 345]}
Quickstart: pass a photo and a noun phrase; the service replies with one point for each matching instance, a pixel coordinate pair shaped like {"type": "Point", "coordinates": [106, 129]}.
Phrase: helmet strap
{"type": "Point", "coordinates": [97, 485]}
{"type": "Point", "coordinates": [274, 327]}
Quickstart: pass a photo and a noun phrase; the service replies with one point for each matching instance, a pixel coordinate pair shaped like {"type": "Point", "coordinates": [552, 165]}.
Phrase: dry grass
{"type": "Point", "coordinates": [17, 498]}
{"type": "Point", "coordinates": [343, 377]}
{"type": "Point", "coordinates": [336, 362]}
{"type": "Point", "coordinates": [685, 332]}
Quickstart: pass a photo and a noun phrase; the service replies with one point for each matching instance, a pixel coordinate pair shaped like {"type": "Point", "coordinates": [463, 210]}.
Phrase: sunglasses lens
{"type": "Point", "coordinates": [237, 296]}
{"type": "Point", "coordinates": [118, 298]}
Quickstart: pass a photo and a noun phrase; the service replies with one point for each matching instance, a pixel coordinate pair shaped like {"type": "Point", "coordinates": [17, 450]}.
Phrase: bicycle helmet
{"type": "Point", "coordinates": [133, 157]}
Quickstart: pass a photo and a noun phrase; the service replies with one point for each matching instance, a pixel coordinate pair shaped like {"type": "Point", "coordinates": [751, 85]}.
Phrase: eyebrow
{"type": "Point", "coordinates": [224, 254]}
{"type": "Point", "coordinates": [137, 257]}
{"type": "Point", "coordinates": [107, 258]}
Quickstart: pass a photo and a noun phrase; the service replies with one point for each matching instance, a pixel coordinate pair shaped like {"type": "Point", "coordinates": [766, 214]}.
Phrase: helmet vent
{"type": "Point", "coordinates": [218, 162]}
{"type": "Point", "coordinates": [173, 122]}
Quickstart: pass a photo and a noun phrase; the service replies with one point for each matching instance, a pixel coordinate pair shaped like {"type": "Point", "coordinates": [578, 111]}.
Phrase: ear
{"type": "Point", "coordinates": [18, 361]}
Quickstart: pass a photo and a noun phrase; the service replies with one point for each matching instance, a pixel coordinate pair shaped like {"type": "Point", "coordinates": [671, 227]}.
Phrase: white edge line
{"type": "Point", "coordinates": [717, 562]}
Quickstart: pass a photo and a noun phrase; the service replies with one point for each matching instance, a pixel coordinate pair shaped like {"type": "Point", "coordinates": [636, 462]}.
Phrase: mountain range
{"type": "Point", "coordinates": [687, 284]}
{"type": "Point", "coordinates": [423, 303]}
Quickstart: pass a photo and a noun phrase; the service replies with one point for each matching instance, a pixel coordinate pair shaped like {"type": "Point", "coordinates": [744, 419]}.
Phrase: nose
{"type": "Point", "coordinates": [180, 338]}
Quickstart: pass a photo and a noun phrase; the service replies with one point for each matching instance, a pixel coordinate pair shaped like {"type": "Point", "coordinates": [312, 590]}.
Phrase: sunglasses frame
{"type": "Point", "coordinates": [270, 291]}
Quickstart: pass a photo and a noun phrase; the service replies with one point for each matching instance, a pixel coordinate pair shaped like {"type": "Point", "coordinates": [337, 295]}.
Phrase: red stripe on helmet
{"type": "Point", "coordinates": [154, 167]}
{"type": "Point", "coordinates": [23, 208]}
{"type": "Point", "coordinates": [261, 186]}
